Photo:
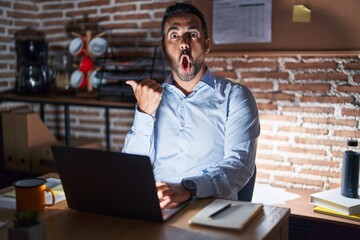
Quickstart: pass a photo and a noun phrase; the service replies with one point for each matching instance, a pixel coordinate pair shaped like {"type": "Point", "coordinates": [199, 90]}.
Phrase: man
{"type": "Point", "coordinates": [200, 131]}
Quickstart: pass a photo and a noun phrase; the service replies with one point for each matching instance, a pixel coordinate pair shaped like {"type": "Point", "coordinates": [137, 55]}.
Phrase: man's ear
{"type": "Point", "coordinates": [207, 45]}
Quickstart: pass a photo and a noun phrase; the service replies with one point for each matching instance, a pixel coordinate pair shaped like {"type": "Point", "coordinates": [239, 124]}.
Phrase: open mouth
{"type": "Point", "coordinates": [185, 63]}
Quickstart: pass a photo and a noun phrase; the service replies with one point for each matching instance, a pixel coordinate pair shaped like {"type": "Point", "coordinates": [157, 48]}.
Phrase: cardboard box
{"type": "Point", "coordinates": [8, 137]}
{"type": "Point", "coordinates": [42, 160]}
{"type": "Point", "coordinates": [30, 131]}
{"type": "Point", "coordinates": [9, 141]}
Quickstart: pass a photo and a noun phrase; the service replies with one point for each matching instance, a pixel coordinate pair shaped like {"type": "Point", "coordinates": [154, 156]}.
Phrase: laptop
{"type": "Point", "coordinates": [110, 183]}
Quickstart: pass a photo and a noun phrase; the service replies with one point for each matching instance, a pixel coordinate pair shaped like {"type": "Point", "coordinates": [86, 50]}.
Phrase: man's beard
{"type": "Point", "coordinates": [196, 65]}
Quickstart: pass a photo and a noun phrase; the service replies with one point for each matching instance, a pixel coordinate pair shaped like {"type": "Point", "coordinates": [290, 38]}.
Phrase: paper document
{"type": "Point", "coordinates": [267, 194]}
{"type": "Point", "coordinates": [2, 224]}
{"type": "Point", "coordinates": [241, 21]}
{"type": "Point", "coordinates": [7, 202]}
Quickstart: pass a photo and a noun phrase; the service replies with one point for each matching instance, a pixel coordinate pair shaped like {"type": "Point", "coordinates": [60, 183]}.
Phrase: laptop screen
{"type": "Point", "coordinates": [110, 183]}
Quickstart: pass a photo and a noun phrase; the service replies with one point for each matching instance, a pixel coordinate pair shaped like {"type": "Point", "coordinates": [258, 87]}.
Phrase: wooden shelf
{"type": "Point", "coordinates": [85, 99]}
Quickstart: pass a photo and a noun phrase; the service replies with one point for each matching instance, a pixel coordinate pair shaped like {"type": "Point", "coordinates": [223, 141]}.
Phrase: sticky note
{"type": "Point", "coordinates": [301, 14]}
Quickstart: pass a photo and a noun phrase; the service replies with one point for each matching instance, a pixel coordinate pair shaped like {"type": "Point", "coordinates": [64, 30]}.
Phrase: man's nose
{"type": "Point", "coordinates": [184, 46]}
{"type": "Point", "coordinates": [184, 42]}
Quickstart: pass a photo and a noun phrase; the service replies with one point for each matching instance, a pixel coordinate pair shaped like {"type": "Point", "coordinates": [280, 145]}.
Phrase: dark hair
{"type": "Point", "coordinates": [183, 8]}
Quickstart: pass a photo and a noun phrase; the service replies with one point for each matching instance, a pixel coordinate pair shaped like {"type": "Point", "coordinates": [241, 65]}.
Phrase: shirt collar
{"type": "Point", "coordinates": [207, 79]}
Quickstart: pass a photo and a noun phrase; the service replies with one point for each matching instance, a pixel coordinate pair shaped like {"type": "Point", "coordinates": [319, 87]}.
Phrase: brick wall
{"type": "Point", "coordinates": [309, 107]}
{"type": "Point", "coordinates": [309, 103]}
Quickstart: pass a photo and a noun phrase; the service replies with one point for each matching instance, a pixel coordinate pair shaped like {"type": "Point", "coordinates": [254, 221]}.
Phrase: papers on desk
{"type": "Point", "coordinates": [2, 224]}
{"type": "Point", "coordinates": [8, 201]}
{"type": "Point", "coordinates": [219, 214]}
{"type": "Point", "coordinates": [318, 209]}
{"type": "Point", "coordinates": [267, 194]}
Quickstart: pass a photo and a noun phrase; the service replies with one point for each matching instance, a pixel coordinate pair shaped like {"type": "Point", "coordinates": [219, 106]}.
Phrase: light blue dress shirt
{"type": "Point", "coordinates": [209, 136]}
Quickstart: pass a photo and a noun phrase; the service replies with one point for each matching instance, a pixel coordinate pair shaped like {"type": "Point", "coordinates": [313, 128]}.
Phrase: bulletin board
{"type": "Point", "coordinates": [334, 26]}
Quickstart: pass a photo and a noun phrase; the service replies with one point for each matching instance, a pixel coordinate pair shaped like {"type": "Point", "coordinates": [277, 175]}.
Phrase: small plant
{"type": "Point", "coordinates": [26, 219]}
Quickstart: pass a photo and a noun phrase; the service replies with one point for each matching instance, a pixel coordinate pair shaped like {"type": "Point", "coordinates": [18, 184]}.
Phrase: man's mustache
{"type": "Point", "coordinates": [185, 52]}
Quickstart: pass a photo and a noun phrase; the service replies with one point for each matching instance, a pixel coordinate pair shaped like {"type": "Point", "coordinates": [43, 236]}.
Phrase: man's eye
{"type": "Point", "coordinates": [173, 35]}
{"type": "Point", "coordinates": [194, 35]}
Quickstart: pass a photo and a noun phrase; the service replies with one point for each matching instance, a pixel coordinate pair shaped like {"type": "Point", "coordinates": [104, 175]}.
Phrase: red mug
{"type": "Point", "coordinates": [86, 64]}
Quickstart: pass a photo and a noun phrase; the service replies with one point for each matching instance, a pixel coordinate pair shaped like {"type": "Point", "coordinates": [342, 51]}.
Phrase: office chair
{"type": "Point", "coordinates": [246, 193]}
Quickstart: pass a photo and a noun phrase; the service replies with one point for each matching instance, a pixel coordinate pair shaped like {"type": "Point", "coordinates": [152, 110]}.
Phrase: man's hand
{"type": "Point", "coordinates": [148, 94]}
{"type": "Point", "coordinates": [170, 195]}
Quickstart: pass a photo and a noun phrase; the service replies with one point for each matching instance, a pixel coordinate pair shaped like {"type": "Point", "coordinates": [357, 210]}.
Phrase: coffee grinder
{"type": "Point", "coordinates": [32, 73]}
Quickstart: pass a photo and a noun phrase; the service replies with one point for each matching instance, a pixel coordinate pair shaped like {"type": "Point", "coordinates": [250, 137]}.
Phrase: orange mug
{"type": "Point", "coordinates": [30, 194]}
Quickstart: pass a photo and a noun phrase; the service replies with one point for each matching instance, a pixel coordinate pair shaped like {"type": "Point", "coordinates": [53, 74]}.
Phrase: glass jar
{"type": "Point", "coordinates": [62, 66]}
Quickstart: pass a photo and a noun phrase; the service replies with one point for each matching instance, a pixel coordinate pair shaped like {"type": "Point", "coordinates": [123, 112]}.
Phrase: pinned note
{"type": "Point", "coordinates": [301, 13]}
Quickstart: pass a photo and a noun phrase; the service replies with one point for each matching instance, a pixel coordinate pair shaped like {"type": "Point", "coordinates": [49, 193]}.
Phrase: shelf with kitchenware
{"type": "Point", "coordinates": [123, 62]}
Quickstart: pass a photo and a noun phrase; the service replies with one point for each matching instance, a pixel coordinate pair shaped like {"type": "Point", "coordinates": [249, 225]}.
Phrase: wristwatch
{"type": "Point", "coordinates": [189, 185]}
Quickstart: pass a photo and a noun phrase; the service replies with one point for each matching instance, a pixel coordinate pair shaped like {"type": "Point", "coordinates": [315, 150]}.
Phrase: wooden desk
{"type": "Point", "coordinates": [306, 224]}
{"type": "Point", "coordinates": [64, 223]}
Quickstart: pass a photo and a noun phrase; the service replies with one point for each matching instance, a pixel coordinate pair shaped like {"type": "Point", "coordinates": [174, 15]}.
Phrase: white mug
{"type": "Point", "coordinates": [97, 46]}
{"type": "Point", "coordinates": [77, 46]}
{"type": "Point", "coordinates": [78, 79]}
{"type": "Point", "coordinates": [95, 81]}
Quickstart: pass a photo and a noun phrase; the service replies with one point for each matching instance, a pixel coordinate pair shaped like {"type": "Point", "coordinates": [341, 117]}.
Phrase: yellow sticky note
{"type": "Point", "coordinates": [301, 14]}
